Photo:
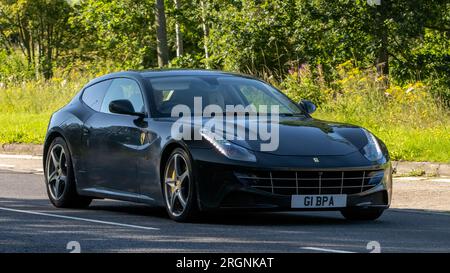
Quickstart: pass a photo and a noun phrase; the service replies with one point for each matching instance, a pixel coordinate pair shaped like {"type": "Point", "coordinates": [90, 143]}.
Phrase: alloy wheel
{"type": "Point", "coordinates": [176, 184]}
{"type": "Point", "coordinates": [57, 171]}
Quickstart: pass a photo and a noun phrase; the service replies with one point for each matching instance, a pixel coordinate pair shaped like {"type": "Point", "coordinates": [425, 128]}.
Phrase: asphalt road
{"type": "Point", "coordinates": [29, 223]}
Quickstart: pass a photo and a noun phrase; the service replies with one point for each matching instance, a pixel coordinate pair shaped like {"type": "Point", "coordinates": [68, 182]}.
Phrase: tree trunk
{"type": "Point", "coordinates": [161, 34]}
{"type": "Point", "coordinates": [382, 60]}
{"type": "Point", "coordinates": [48, 59]}
{"type": "Point", "coordinates": [178, 33]}
{"type": "Point", "coordinates": [205, 30]}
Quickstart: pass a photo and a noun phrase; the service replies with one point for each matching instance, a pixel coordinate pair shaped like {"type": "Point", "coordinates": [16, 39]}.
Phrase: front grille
{"type": "Point", "coordinates": [311, 182]}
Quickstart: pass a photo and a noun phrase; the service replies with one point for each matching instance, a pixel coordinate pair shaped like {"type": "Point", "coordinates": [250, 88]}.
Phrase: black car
{"type": "Point", "coordinates": [115, 139]}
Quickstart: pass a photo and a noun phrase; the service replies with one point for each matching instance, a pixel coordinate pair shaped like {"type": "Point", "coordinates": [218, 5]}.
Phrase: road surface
{"type": "Point", "coordinates": [29, 223]}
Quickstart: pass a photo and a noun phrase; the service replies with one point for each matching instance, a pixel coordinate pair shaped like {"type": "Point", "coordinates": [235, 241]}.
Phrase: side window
{"type": "Point", "coordinates": [93, 95]}
{"type": "Point", "coordinates": [124, 89]}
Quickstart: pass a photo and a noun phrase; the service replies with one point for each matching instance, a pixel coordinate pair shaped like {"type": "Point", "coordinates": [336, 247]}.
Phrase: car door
{"type": "Point", "coordinates": [113, 141]}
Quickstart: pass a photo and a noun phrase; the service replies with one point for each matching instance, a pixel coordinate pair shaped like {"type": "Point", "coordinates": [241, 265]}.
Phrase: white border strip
{"type": "Point", "coordinates": [326, 250]}
{"type": "Point", "coordinates": [13, 156]}
{"type": "Point", "coordinates": [78, 218]}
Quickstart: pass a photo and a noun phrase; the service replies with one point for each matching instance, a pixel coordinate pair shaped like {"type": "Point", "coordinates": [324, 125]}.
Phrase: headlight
{"type": "Point", "coordinates": [228, 149]}
{"type": "Point", "coordinates": [372, 151]}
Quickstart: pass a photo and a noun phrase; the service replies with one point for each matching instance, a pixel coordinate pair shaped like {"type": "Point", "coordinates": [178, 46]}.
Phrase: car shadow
{"type": "Point", "coordinates": [221, 217]}
{"type": "Point", "coordinates": [233, 217]}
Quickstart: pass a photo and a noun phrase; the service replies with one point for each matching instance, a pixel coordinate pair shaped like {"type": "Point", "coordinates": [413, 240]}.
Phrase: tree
{"type": "Point", "coordinates": [252, 36]}
{"type": "Point", "coordinates": [118, 31]}
{"type": "Point", "coordinates": [38, 28]}
{"type": "Point", "coordinates": [205, 27]}
{"type": "Point", "coordinates": [178, 33]}
{"type": "Point", "coordinates": [161, 34]}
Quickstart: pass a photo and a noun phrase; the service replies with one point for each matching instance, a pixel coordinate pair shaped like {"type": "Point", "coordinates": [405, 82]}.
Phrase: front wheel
{"type": "Point", "coordinates": [179, 187]}
{"type": "Point", "coordinates": [360, 214]}
{"type": "Point", "coordinates": [60, 179]}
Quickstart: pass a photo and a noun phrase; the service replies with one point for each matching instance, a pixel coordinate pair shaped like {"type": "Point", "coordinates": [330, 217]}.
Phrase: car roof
{"type": "Point", "coordinates": [168, 72]}
{"type": "Point", "coordinates": [188, 72]}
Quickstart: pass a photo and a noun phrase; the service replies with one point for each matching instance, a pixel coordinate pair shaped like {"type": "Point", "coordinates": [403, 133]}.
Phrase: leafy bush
{"type": "Point", "coordinates": [14, 67]}
{"type": "Point", "coordinates": [300, 83]}
{"type": "Point", "coordinates": [188, 61]}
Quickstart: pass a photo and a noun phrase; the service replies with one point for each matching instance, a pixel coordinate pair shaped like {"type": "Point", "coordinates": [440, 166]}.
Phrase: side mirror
{"type": "Point", "coordinates": [124, 107]}
{"type": "Point", "coordinates": [308, 106]}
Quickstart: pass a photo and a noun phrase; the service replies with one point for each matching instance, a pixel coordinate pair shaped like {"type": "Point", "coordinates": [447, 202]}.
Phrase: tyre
{"type": "Point", "coordinates": [179, 187]}
{"type": "Point", "coordinates": [359, 214]}
{"type": "Point", "coordinates": [60, 179]}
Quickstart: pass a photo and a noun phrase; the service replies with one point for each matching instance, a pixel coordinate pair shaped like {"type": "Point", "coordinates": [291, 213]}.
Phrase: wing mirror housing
{"type": "Point", "coordinates": [124, 107]}
{"type": "Point", "coordinates": [308, 106]}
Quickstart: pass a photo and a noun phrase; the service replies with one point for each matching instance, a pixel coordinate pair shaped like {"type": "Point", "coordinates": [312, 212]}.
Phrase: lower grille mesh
{"type": "Point", "coordinates": [311, 182]}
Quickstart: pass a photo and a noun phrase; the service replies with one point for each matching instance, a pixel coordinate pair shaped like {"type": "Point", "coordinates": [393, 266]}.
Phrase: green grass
{"type": "Point", "coordinates": [23, 127]}
{"type": "Point", "coordinates": [404, 142]}
{"type": "Point", "coordinates": [25, 108]}
{"type": "Point", "coordinates": [412, 125]}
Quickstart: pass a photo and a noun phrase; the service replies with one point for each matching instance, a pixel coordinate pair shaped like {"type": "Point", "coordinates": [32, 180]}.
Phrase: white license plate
{"type": "Point", "coordinates": [319, 201]}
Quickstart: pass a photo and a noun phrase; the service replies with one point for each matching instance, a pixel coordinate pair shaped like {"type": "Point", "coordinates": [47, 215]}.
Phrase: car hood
{"type": "Point", "coordinates": [307, 137]}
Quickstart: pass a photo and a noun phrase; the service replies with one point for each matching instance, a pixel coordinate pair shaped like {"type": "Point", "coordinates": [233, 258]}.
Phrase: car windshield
{"type": "Point", "coordinates": [223, 91]}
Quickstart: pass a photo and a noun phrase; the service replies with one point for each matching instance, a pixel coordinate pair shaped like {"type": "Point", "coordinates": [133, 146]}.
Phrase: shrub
{"type": "Point", "coordinates": [300, 83]}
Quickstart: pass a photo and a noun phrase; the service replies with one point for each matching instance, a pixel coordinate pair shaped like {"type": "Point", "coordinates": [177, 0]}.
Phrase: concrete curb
{"type": "Point", "coordinates": [22, 149]}
{"type": "Point", "coordinates": [421, 168]}
{"type": "Point", "coordinates": [402, 168]}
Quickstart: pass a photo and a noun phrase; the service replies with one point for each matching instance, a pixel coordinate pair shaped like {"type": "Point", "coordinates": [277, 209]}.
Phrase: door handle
{"type": "Point", "coordinates": [85, 131]}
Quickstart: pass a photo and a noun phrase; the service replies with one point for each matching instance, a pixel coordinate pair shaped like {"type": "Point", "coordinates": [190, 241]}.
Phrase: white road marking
{"type": "Point", "coordinates": [408, 210]}
{"type": "Point", "coordinates": [444, 180]}
{"type": "Point", "coordinates": [423, 178]}
{"type": "Point", "coordinates": [410, 178]}
{"type": "Point", "coordinates": [6, 166]}
{"type": "Point", "coordinates": [78, 218]}
{"type": "Point", "coordinates": [326, 250]}
{"type": "Point", "coordinates": [12, 156]}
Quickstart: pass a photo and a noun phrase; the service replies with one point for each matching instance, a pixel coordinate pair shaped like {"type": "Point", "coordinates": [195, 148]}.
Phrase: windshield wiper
{"type": "Point", "coordinates": [291, 114]}
{"type": "Point", "coordinates": [257, 114]}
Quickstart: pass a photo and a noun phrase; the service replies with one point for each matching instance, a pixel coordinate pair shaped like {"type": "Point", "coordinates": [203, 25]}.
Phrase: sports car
{"type": "Point", "coordinates": [121, 137]}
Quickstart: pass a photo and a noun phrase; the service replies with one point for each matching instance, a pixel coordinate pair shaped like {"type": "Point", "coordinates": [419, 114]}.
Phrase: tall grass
{"type": "Point", "coordinates": [412, 124]}
{"type": "Point", "coordinates": [26, 107]}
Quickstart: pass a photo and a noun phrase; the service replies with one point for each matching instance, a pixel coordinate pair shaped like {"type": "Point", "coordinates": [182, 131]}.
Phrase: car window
{"type": "Point", "coordinates": [93, 95]}
{"type": "Point", "coordinates": [261, 96]}
{"type": "Point", "coordinates": [124, 89]}
{"type": "Point", "coordinates": [167, 92]}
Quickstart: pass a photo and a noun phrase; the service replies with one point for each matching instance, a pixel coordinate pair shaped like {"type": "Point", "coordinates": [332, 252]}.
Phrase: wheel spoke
{"type": "Point", "coordinates": [60, 185]}
{"type": "Point", "coordinates": [176, 165]}
{"type": "Point", "coordinates": [170, 182]}
{"type": "Point", "coordinates": [63, 178]}
{"type": "Point", "coordinates": [52, 176]}
{"type": "Point", "coordinates": [181, 199]}
{"type": "Point", "coordinates": [183, 176]}
{"type": "Point", "coordinates": [53, 156]}
{"type": "Point", "coordinates": [57, 187]}
{"type": "Point", "coordinates": [61, 158]}
{"type": "Point", "coordinates": [172, 200]}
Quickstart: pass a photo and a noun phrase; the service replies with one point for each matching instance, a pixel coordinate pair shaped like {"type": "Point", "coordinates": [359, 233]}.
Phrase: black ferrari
{"type": "Point", "coordinates": [116, 139]}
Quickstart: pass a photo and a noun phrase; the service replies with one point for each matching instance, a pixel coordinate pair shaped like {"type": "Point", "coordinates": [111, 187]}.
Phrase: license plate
{"type": "Point", "coordinates": [319, 201]}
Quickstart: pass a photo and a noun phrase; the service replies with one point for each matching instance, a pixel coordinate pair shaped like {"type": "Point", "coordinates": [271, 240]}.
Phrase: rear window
{"type": "Point", "coordinates": [93, 95]}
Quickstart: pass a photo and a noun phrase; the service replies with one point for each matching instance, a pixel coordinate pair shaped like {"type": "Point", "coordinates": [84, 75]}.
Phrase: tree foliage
{"type": "Point", "coordinates": [121, 31]}
{"type": "Point", "coordinates": [38, 28]}
{"type": "Point", "coordinates": [408, 40]}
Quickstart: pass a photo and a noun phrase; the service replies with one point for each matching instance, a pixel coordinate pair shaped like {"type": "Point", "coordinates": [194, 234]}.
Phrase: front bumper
{"type": "Point", "coordinates": [221, 185]}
